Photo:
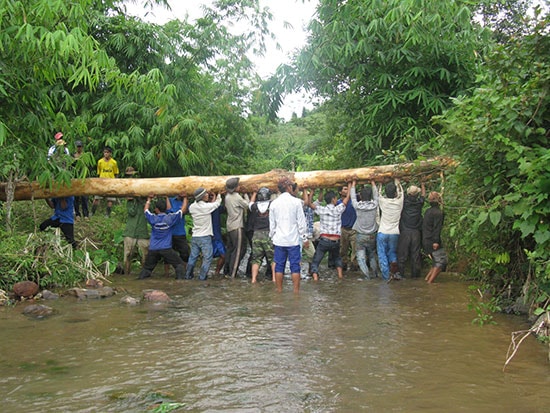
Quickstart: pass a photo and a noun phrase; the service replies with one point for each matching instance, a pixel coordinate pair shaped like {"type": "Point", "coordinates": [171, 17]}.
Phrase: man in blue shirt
{"type": "Point", "coordinates": [347, 237]}
{"type": "Point", "coordinates": [62, 217]}
{"type": "Point", "coordinates": [160, 245]}
{"type": "Point", "coordinates": [179, 235]}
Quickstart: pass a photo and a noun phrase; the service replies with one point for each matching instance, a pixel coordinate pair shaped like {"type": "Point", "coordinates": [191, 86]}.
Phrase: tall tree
{"type": "Point", "coordinates": [387, 67]}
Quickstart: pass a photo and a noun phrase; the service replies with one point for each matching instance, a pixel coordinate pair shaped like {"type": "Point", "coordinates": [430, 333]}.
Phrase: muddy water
{"type": "Point", "coordinates": [225, 345]}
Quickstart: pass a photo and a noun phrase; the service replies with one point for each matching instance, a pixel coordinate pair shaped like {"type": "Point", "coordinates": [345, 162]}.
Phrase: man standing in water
{"type": "Point", "coordinates": [287, 225]}
{"type": "Point", "coordinates": [431, 236]}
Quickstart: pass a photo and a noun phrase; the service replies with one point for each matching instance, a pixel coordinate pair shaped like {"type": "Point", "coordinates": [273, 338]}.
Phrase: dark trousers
{"type": "Point", "coordinates": [170, 257]}
{"type": "Point", "coordinates": [181, 246]}
{"type": "Point", "coordinates": [236, 249]}
{"type": "Point", "coordinates": [66, 229]}
{"type": "Point", "coordinates": [81, 201]}
{"type": "Point", "coordinates": [408, 247]}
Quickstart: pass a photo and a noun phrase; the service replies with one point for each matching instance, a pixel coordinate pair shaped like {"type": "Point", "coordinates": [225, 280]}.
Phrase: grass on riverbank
{"type": "Point", "coordinates": [47, 259]}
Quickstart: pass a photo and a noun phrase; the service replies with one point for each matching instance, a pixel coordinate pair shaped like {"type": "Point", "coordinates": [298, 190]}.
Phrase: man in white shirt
{"type": "Point", "coordinates": [388, 232]}
{"type": "Point", "coordinates": [201, 241]}
{"type": "Point", "coordinates": [287, 226]}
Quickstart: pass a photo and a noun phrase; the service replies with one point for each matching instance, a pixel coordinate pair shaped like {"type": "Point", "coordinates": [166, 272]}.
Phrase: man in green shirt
{"type": "Point", "coordinates": [136, 232]}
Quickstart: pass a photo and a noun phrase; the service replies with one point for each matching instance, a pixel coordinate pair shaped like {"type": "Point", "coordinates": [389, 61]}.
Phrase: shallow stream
{"type": "Point", "coordinates": [227, 345]}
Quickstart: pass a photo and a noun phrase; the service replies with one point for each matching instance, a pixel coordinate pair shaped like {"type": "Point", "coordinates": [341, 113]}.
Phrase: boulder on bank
{"type": "Point", "coordinates": [25, 289]}
{"type": "Point", "coordinates": [48, 295]}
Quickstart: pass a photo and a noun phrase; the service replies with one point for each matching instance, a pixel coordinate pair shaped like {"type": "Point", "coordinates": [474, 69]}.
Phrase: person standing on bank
{"type": "Point", "coordinates": [431, 236]}
{"type": "Point", "coordinates": [59, 147]}
{"type": "Point", "coordinates": [410, 230]}
{"type": "Point", "coordinates": [287, 229]}
{"type": "Point", "coordinates": [107, 167]}
{"type": "Point", "coordinates": [80, 201]}
{"type": "Point", "coordinates": [160, 245]}
{"type": "Point", "coordinates": [62, 217]}
{"type": "Point", "coordinates": [136, 232]}
{"type": "Point", "coordinates": [388, 232]}
{"type": "Point", "coordinates": [201, 241]}
{"type": "Point", "coordinates": [236, 206]}
{"type": "Point", "coordinates": [366, 227]}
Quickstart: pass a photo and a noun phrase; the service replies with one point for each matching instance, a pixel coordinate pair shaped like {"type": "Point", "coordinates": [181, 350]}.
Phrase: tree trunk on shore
{"type": "Point", "coordinates": [172, 186]}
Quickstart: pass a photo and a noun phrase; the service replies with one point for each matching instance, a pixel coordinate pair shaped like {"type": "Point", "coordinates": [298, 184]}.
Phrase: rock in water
{"type": "Point", "coordinates": [37, 311]}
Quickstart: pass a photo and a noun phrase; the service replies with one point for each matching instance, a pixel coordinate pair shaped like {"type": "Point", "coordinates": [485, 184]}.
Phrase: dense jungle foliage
{"type": "Point", "coordinates": [399, 80]}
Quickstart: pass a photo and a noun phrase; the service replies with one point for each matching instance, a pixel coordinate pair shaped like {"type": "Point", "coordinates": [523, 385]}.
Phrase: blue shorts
{"type": "Point", "coordinates": [294, 256]}
{"type": "Point", "coordinates": [218, 248]}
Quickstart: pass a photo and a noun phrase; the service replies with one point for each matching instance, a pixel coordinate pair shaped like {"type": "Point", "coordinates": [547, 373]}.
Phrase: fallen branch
{"type": "Point", "coordinates": [542, 324]}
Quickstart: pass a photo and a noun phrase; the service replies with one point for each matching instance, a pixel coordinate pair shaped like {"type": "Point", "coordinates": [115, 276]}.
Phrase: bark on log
{"type": "Point", "coordinates": [173, 186]}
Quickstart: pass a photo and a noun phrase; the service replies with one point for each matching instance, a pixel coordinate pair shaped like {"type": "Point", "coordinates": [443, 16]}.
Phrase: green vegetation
{"type": "Point", "coordinates": [399, 80]}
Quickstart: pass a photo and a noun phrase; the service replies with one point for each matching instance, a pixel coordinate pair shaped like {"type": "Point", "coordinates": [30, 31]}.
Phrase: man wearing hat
{"type": "Point", "coordinates": [236, 206]}
{"type": "Point", "coordinates": [201, 241]}
{"type": "Point", "coordinates": [107, 167]}
{"type": "Point", "coordinates": [80, 201]}
{"type": "Point", "coordinates": [59, 143]}
{"type": "Point", "coordinates": [410, 231]}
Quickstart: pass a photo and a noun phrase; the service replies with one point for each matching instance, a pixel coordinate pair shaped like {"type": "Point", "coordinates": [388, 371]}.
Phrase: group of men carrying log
{"type": "Point", "coordinates": [386, 229]}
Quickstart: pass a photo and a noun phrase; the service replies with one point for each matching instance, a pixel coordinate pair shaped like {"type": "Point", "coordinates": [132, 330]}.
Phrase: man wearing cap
{"type": "Point", "coordinates": [431, 236]}
{"type": "Point", "coordinates": [201, 241]}
{"type": "Point", "coordinates": [59, 143]}
{"type": "Point", "coordinates": [80, 201]}
{"type": "Point", "coordinates": [107, 167]}
{"type": "Point", "coordinates": [410, 231]}
{"type": "Point", "coordinates": [136, 232]}
{"type": "Point", "coordinates": [287, 229]}
{"type": "Point", "coordinates": [235, 206]}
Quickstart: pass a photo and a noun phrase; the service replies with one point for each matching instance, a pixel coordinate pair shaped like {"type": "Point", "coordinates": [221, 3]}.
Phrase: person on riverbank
{"type": "Point", "coordinates": [410, 231]}
{"type": "Point", "coordinates": [201, 241]}
{"type": "Point", "coordinates": [431, 236]}
{"type": "Point", "coordinates": [107, 168]}
{"type": "Point", "coordinates": [262, 246]}
{"type": "Point", "coordinates": [80, 202]}
{"type": "Point", "coordinates": [62, 218]}
{"type": "Point", "coordinates": [236, 206]}
{"type": "Point", "coordinates": [59, 148]}
{"type": "Point", "coordinates": [179, 235]}
{"type": "Point", "coordinates": [287, 229]}
{"type": "Point", "coordinates": [330, 227]}
{"type": "Point", "coordinates": [387, 238]}
{"type": "Point", "coordinates": [160, 245]}
{"type": "Point", "coordinates": [366, 228]}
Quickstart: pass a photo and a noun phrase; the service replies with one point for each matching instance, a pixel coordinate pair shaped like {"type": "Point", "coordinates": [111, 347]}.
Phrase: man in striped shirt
{"type": "Point", "coordinates": [331, 230]}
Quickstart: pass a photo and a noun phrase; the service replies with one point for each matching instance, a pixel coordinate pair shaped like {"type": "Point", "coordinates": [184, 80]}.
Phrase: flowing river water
{"type": "Point", "coordinates": [229, 346]}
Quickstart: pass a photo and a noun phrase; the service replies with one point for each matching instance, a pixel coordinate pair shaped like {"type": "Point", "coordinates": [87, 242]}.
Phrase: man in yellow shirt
{"type": "Point", "coordinates": [107, 167]}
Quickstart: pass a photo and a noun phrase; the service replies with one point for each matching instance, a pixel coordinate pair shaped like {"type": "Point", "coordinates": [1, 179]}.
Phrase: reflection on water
{"type": "Point", "coordinates": [340, 346]}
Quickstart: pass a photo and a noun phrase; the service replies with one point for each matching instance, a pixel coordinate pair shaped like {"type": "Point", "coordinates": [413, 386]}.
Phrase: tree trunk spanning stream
{"type": "Point", "coordinates": [172, 186]}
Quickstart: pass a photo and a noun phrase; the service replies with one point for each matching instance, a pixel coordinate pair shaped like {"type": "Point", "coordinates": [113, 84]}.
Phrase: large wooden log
{"type": "Point", "coordinates": [172, 186]}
